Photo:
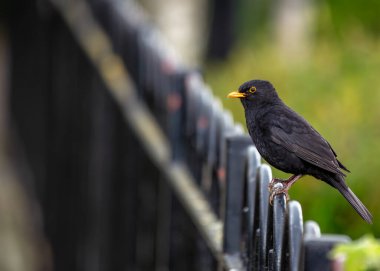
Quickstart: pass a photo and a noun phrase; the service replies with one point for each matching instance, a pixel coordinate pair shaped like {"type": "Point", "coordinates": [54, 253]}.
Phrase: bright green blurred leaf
{"type": "Point", "coordinates": [360, 255]}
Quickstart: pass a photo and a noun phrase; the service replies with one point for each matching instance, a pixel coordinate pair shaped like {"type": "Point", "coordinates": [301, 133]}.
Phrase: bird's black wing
{"type": "Point", "coordinates": [293, 133]}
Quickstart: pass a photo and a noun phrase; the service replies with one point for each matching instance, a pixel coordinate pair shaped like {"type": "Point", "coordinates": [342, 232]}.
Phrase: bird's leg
{"type": "Point", "coordinates": [278, 186]}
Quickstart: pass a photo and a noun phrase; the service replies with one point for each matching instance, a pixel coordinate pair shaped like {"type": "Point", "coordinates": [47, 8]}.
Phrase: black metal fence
{"type": "Point", "coordinates": [136, 165]}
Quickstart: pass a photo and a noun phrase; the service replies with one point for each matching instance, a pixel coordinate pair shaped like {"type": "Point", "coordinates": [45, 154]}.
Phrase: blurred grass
{"type": "Point", "coordinates": [337, 89]}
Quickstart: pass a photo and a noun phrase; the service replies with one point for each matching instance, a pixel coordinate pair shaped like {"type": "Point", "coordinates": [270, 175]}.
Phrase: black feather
{"type": "Point", "coordinates": [341, 186]}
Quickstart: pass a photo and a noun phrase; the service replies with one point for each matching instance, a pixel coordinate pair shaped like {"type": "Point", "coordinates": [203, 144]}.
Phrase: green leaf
{"type": "Point", "coordinates": [360, 255]}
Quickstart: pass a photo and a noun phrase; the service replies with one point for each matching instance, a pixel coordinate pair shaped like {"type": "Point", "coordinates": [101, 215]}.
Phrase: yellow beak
{"type": "Point", "coordinates": [236, 94]}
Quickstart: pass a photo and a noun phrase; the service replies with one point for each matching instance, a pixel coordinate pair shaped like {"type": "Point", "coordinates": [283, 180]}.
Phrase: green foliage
{"type": "Point", "coordinates": [337, 89]}
{"type": "Point", "coordinates": [348, 14]}
{"type": "Point", "coordinates": [361, 255]}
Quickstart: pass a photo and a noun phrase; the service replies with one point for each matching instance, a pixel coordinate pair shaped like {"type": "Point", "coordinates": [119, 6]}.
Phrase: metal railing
{"type": "Point", "coordinates": [203, 160]}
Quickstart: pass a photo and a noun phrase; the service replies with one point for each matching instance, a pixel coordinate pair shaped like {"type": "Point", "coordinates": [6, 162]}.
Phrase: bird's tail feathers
{"type": "Point", "coordinates": [353, 200]}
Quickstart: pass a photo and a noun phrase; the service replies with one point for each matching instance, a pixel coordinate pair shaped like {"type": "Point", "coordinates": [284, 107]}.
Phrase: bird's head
{"type": "Point", "coordinates": [255, 92]}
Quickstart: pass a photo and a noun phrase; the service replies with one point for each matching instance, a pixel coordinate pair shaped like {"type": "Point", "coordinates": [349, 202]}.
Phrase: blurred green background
{"type": "Point", "coordinates": [332, 78]}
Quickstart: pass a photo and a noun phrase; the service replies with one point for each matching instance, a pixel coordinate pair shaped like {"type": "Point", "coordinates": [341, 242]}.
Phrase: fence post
{"type": "Point", "coordinates": [175, 106]}
{"type": "Point", "coordinates": [295, 228]}
{"type": "Point", "coordinates": [279, 218]}
{"type": "Point", "coordinates": [212, 155]}
{"type": "Point", "coordinates": [253, 164]}
{"type": "Point", "coordinates": [236, 146]}
{"type": "Point", "coordinates": [265, 175]}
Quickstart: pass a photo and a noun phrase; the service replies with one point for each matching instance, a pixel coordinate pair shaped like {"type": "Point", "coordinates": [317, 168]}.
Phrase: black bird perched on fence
{"type": "Point", "coordinates": [288, 142]}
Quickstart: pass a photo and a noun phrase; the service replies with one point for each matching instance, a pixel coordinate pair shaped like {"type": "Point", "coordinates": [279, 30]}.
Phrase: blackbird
{"type": "Point", "coordinates": [289, 143]}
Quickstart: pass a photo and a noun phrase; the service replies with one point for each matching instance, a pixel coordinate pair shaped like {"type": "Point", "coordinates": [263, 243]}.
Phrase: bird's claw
{"type": "Point", "coordinates": [277, 187]}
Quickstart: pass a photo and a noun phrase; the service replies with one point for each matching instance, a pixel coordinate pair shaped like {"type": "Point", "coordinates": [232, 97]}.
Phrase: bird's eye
{"type": "Point", "coordinates": [252, 90]}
